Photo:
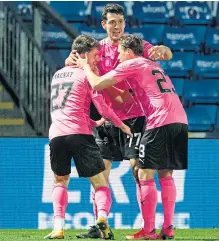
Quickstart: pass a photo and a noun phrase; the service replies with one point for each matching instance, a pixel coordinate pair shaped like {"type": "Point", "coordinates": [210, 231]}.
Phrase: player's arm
{"type": "Point", "coordinates": [119, 95]}
{"type": "Point", "coordinates": [158, 52]}
{"type": "Point", "coordinates": [97, 123]}
{"type": "Point", "coordinates": [98, 82]}
{"type": "Point", "coordinates": [122, 71]}
{"type": "Point", "coordinates": [105, 111]}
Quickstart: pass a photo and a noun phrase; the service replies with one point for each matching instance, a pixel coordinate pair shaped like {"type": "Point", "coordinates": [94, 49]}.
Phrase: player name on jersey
{"type": "Point", "coordinates": [63, 75]}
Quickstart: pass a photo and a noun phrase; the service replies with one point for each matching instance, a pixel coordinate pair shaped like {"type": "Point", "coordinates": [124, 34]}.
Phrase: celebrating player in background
{"type": "Point", "coordinates": [115, 145]}
{"type": "Point", "coordinates": [164, 145]}
{"type": "Point", "coordinates": [71, 136]}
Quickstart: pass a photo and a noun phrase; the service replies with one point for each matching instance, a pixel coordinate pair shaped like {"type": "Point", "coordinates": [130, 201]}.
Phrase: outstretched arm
{"type": "Point", "coordinates": [107, 112]}
{"type": "Point", "coordinates": [123, 70]}
{"type": "Point", "coordinates": [98, 82]}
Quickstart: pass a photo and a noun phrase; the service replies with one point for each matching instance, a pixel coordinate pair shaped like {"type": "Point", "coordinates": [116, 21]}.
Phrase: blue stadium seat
{"type": "Point", "coordinates": [212, 40]}
{"type": "Point", "coordinates": [201, 117]}
{"type": "Point", "coordinates": [136, 31]}
{"type": "Point", "coordinates": [64, 53]}
{"type": "Point", "coordinates": [203, 91]}
{"type": "Point", "coordinates": [57, 57]}
{"type": "Point", "coordinates": [78, 26]}
{"type": "Point", "coordinates": [217, 118]}
{"type": "Point", "coordinates": [151, 12]}
{"type": "Point", "coordinates": [180, 65]}
{"type": "Point", "coordinates": [192, 13]}
{"type": "Point", "coordinates": [206, 66]}
{"type": "Point", "coordinates": [95, 32]}
{"type": "Point", "coordinates": [152, 34]}
{"type": "Point", "coordinates": [184, 39]}
{"type": "Point", "coordinates": [72, 11]}
{"type": "Point", "coordinates": [178, 85]}
{"type": "Point", "coordinates": [217, 15]}
{"type": "Point", "coordinates": [54, 37]}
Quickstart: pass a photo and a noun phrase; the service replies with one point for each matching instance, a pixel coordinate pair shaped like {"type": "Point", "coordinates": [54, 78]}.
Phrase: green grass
{"type": "Point", "coordinates": [33, 235]}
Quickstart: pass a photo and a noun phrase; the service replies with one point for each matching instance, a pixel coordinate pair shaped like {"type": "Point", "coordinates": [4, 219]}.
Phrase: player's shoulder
{"type": "Point", "coordinates": [140, 63]}
{"type": "Point", "coordinates": [137, 61]}
{"type": "Point", "coordinates": [64, 69]}
{"type": "Point", "coordinates": [103, 42]}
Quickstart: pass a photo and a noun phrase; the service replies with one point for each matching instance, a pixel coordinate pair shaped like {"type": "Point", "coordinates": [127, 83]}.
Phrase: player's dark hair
{"type": "Point", "coordinates": [132, 42]}
{"type": "Point", "coordinates": [84, 43]}
{"type": "Point", "coordinates": [112, 8]}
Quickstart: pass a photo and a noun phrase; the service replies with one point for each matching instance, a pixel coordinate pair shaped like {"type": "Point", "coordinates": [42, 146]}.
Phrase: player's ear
{"type": "Point", "coordinates": [130, 52]}
{"type": "Point", "coordinates": [103, 24]}
{"type": "Point", "coordinates": [82, 56]}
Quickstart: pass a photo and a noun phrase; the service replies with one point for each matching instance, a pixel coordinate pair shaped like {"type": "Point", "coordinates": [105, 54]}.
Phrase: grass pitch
{"type": "Point", "coordinates": [35, 235]}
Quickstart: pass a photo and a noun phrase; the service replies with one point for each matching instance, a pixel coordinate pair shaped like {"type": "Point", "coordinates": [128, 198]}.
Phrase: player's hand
{"type": "Point", "coordinates": [157, 52]}
{"type": "Point", "coordinates": [69, 61]}
{"type": "Point", "coordinates": [126, 129]}
{"type": "Point", "coordinates": [79, 61]}
{"type": "Point", "coordinates": [100, 122]}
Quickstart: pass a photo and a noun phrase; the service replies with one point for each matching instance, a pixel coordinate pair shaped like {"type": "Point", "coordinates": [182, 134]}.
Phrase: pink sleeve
{"type": "Point", "coordinates": [103, 109]}
{"type": "Point", "coordinates": [147, 46]}
{"type": "Point", "coordinates": [122, 71]}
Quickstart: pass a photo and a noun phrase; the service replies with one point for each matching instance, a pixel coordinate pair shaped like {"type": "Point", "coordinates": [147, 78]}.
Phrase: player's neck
{"type": "Point", "coordinates": [112, 42]}
{"type": "Point", "coordinates": [134, 57]}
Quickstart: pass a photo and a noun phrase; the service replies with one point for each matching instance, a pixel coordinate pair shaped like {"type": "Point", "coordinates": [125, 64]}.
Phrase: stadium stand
{"type": "Point", "coordinates": [189, 28]}
{"type": "Point", "coordinates": [151, 12]}
{"type": "Point", "coordinates": [206, 66]}
{"type": "Point", "coordinates": [149, 33]}
{"type": "Point", "coordinates": [95, 32]}
{"type": "Point", "coordinates": [180, 65]}
{"type": "Point", "coordinates": [185, 39]}
{"type": "Point", "coordinates": [76, 11]}
{"type": "Point", "coordinates": [217, 17]}
{"type": "Point", "coordinates": [54, 37]}
{"type": "Point", "coordinates": [201, 117]}
{"type": "Point", "coordinates": [195, 13]}
{"type": "Point", "coordinates": [11, 117]}
{"type": "Point", "coordinates": [24, 9]}
{"type": "Point", "coordinates": [203, 91]}
{"type": "Point", "coordinates": [178, 85]}
{"type": "Point", "coordinates": [212, 41]}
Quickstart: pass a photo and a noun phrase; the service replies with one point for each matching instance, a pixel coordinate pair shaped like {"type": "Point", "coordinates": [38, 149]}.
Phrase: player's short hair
{"type": "Point", "coordinates": [84, 43]}
{"type": "Point", "coordinates": [112, 8]}
{"type": "Point", "coordinates": [132, 42]}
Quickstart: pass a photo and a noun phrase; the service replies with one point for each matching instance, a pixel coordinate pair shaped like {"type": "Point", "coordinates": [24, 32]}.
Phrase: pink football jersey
{"type": "Point", "coordinates": [71, 96]}
{"type": "Point", "coordinates": [108, 61]}
{"type": "Point", "coordinates": [153, 90]}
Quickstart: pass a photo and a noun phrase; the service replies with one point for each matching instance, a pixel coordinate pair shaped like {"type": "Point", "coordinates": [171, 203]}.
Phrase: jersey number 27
{"type": "Point", "coordinates": [64, 86]}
